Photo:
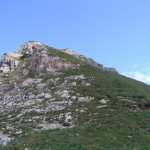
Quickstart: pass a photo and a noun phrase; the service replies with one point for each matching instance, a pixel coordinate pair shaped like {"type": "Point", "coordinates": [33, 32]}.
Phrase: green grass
{"type": "Point", "coordinates": [110, 130]}
{"type": "Point", "coordinates": [68, 57]}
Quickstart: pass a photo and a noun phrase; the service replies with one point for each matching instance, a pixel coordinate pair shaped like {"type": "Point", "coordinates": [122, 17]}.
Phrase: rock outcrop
{"type": "Point", "coordinates": [9, 61]}
{"type": "Point", "coordinates": [30, 47]}
{"type": "Point", "coordinates": [42, 63]}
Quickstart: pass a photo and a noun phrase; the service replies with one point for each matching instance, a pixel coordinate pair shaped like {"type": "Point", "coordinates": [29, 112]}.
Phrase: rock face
{"type": "Point", "coordinates": [43, 63]}
{"type": "Point", "coordinates": [38, 93]}
{"type": "Point", "coordinates": [9, 62]}
{"type": "Point", "coordinates": [30, 47]}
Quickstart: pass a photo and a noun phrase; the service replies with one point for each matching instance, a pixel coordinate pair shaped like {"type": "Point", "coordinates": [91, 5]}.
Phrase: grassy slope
{"type": "Point", "coordinates": [111, 128]}
{"type": "Point", "coordinates": [106, 83]}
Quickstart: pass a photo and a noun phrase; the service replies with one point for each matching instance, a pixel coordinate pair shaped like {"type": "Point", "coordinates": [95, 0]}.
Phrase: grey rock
{"type": "Point", "coordinates": [4, 139]}
{"type": "Point", "coordinates": [32, 96]}
{"type": "Point", "coordinates": [73, 97]}
{"type": "Point", "coordinates": [25, 72]}
{"type": "Point", "coordinates": [9, 61]}
{"type": "Point", "coordinates": [28, 82]}
{"type": "Point", "coordinates": [87, 84]}
{"type": "Point", "coordinates": [74, 83]}
{"type": "Point", "coordinates": [47, 96]}
{"type": "Point", "coordinates": [58, 105]}
{"type": "Point", "coordinates": [44, 95]}
{"type": "Point", "coordinates": [68, 117]}
{"type": "Point", "coordinates": [39, 100]}
{"type": "Point", "coordinates": [85, 99]}
{"type": "Point", "coordinates": [29, 103]}
{"type": "Point", "coordinates": [9, 104]}
{"type": "Point", "coordinates": [41, 95]}
{"type": "Point", "coordinates": [41, 86]}
{"type": "Point", "coordinates": [51, 126]}
{"type": "Point", "coordinates": [18, 132]}
{"type": "Point", "coordinates": [76, 77]}
{"type": "Point", "coordinates": [103, 101]}
{"type": "Point", "coordinates": [38, 80]}
{"type": "Point", "coordinates": [110, 69]}
{"type": "Point", "coordinates": [29, 48]}
{"type": "Point", "coordinates": [102, 106]}
{"type": "Point", "coordinates": [129, 103]}
{"type": "Point", "coordinates": [63, 94]}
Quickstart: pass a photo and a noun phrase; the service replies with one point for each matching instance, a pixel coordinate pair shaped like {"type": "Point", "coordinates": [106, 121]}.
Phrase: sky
{"type": "Point", "coordinates": [115, 33]}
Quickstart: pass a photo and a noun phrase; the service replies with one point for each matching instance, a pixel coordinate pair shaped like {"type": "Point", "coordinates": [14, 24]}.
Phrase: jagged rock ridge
{"type": "Point", "coordinates": [89, 60]}
{"type": "Point", "coordinates": [9, 61]}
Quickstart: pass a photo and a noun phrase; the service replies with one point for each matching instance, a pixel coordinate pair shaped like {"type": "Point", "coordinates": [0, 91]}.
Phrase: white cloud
{"type": "Point", "coordinates": [144, 77]}
{"type": "Point", "coordinates": [140, 72]}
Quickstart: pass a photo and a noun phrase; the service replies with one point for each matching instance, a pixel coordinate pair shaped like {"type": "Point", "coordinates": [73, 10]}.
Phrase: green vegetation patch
{"type": "Point", "coordinates": [111, 130]}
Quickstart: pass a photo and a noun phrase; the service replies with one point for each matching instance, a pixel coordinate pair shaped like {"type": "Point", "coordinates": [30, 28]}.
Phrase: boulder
{"type": "Point", "coordinates": [28, 82]}
{"type": "Point", "coordinates": [103, 101]}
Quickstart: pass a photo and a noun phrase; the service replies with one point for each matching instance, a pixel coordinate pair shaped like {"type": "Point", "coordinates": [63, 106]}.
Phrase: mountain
{"type": "Point", "coordinates": [57, 99]}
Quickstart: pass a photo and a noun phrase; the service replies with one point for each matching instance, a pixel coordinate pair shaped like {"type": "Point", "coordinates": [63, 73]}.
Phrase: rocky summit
{"type": "Point", "coordinates": [27, 98]}
{"type": "Point", "coordinates": [44, 88]}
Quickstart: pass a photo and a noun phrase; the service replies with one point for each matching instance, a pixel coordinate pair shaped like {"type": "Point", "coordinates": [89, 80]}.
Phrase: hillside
{"type": "Point", "coordinates": [59, 100]}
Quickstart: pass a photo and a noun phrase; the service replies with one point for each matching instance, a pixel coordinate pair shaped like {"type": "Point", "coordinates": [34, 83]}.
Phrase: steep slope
{"type": "Point", "coordinates": [43, 88]}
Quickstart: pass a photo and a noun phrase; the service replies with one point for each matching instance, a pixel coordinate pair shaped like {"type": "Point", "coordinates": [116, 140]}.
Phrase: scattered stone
{"type": "Point", "coordinates": [103, 106]}
{"type": "Point", "coordinates": [29, 102]}
{"type": "Point", "coordinates": [129, 103]}
{"type": "Point", "coordinates": [4, 139]}
{"type": "Point", "coordinates": [63, 94]}
{"type": "Point", "coordinates": [76, 77]}
{"type": "Point", "coordinates": [47, 96]}
{"type": "Point", "coordinates": [32, 96]}
{"type": "Point", "coordinates": [41, 86]}
{"type": "Point", "coordinates": [103, 101]}
{"type": "Point", "coordinates": [18, 132]}
{"type": "Point", "coordinates": [25, 72]}
{"type": "Point", "coordinates": [68, 118]}
{"type": "Point", "coordinates": [28, 82]}
{"type": "Point", "coordinates": [87, 84]}
{"type": "Point", "coordinates": [85, 99]}
{"type": "Point", "coordinates": [39, 100]}
{"type": "Point", "coordinates": [51, 126]}
{"type": "Point", "coordinates": [74, 84]}
{"type": "Point", "coordinates": [73, 97]}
